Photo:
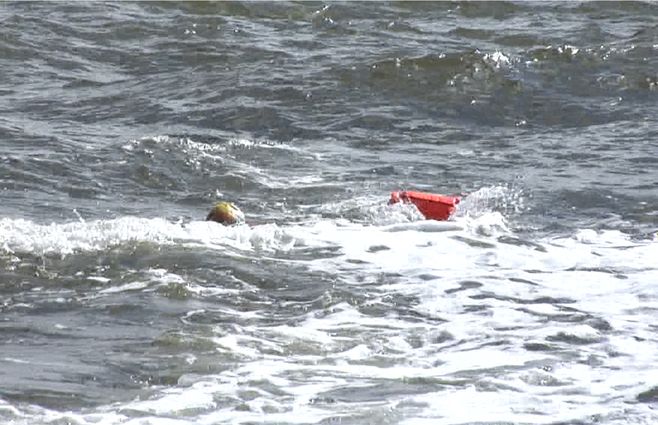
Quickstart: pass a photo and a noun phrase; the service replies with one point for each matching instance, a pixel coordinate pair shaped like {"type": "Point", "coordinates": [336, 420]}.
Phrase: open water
{"type": "Point", "coordinates": [122, 123]}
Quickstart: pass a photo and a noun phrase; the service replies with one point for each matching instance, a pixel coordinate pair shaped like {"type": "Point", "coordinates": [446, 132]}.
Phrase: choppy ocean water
{"type": "Point", "coordinates": [122, 123]}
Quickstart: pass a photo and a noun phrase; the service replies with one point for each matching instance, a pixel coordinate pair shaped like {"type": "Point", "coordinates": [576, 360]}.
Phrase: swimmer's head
{"type": "Point", "coordinates": [226, 213]}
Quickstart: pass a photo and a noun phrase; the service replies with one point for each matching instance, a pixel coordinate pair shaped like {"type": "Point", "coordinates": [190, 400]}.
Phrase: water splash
{"type": "Point", "coordinates": [505, 199]}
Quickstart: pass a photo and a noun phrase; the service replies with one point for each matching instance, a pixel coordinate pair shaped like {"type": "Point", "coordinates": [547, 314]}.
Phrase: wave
{"type": "Point", "coordinates": [26, 237]}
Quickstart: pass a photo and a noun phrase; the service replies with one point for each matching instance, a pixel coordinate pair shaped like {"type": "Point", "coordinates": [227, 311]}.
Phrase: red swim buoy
{"type": "Point", "coordinates": [432, 206]}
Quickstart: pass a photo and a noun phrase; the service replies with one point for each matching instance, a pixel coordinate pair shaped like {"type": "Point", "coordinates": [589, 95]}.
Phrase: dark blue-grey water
{"type": "Point", "coordinates": [122, 123]}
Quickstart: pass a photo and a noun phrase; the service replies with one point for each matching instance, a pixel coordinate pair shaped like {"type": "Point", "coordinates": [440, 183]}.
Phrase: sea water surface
{"type": "Point", "coordinates": [122, 123]}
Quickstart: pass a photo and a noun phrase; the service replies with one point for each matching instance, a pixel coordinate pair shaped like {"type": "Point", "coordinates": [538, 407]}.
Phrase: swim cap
{"type": "Point", "coordinates": [226, 213]}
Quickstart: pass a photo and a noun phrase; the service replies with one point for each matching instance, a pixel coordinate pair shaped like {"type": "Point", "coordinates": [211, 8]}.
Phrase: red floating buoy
{"type": "Point", "coordinates": [432, 206]}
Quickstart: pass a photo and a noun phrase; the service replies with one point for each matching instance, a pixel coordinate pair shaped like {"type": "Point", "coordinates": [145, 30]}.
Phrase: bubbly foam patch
{"type": "Point", "coordinates": [24, 236]}
{"type": "Point", "coordinates": [449, 315]}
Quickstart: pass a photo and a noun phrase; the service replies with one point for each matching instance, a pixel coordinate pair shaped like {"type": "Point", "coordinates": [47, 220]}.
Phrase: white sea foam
{"type": "Point", "coordinates": [24, 236]}
{"type": "Point", "coordinates": [479, 303]}
{"type": "Point", "coordinates": [497, 59]}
